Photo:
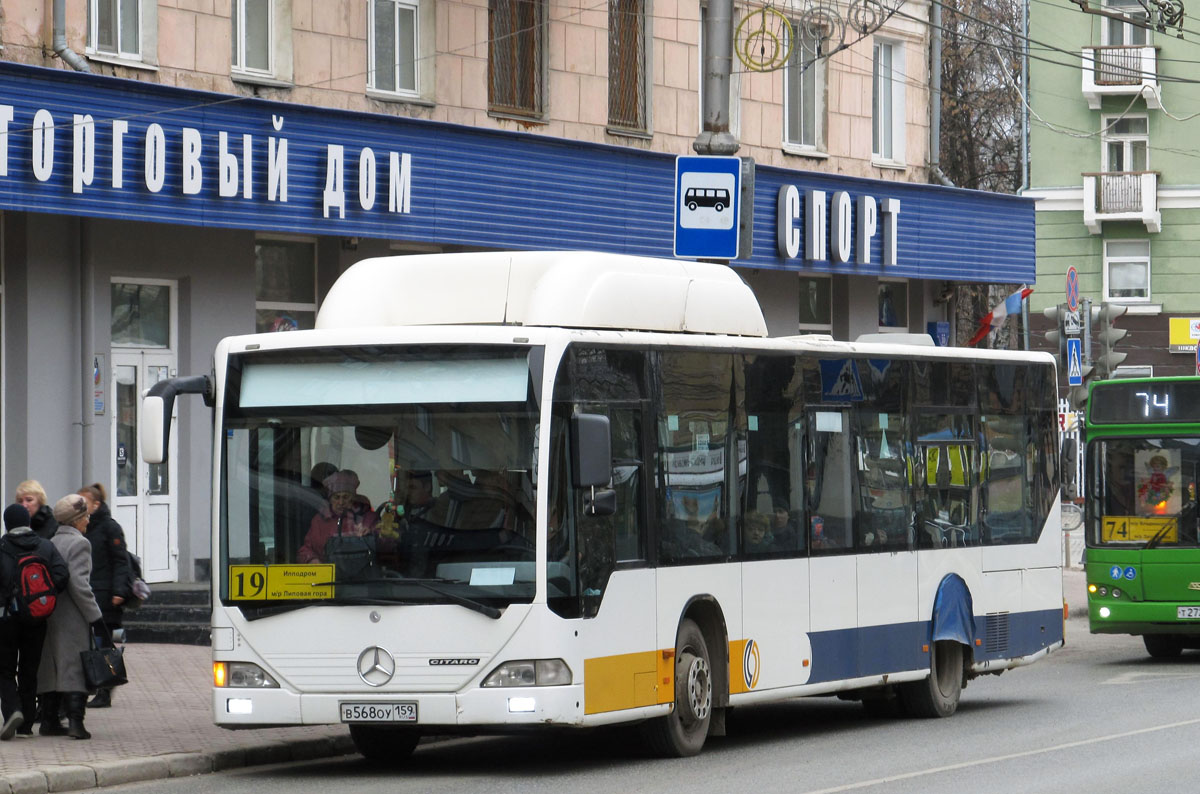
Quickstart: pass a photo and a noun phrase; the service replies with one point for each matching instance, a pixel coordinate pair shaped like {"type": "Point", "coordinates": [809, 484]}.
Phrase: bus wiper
{"type": "Point", "coordinates": [470, 603]}
{"type": "Point", "coordinates": [270, 610]}
{"type": "Point", "coordinates": [1158, 536]}
{"type": "Point", "coordinates": [428, 584]}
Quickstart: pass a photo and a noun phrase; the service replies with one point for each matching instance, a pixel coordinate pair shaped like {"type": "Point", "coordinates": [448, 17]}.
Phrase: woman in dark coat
{"type": "Point", "coordinates": [110, 567]}
{"type": "Point", "coordinates": [32, 496]}
{"type": "Point", "coordinates": [69, 628]}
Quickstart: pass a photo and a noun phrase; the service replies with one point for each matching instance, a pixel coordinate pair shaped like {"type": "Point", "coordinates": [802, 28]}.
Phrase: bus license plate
{"type": "Point", "coordinates": [1185, 613]}
{"type": "Point", "coordinates": [378, 712]}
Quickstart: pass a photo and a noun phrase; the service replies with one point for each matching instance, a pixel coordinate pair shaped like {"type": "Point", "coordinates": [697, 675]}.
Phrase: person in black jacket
{"type": "Point", "coordinates": [110, 568]}
{"type": "Point", "coordinates": [32, 496]}
{"type": "Point", "coordinates": [20, 642]}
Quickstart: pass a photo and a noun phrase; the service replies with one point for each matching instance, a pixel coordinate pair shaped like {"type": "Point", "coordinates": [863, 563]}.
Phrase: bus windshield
{"type": "Point", "coordinates": [1143, 492]}
{"type": "Point", "coordinates": [379, 476]}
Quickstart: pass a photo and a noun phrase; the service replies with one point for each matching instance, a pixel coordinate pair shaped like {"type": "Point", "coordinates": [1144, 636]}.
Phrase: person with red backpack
{"type": "Point", "coordinates": [32, 574]}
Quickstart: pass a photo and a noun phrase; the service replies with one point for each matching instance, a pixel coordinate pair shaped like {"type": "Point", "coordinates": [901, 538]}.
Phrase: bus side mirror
{"type": "Point", "coordinates": [157, 406]}
{"type": "Point", "coordinates": [154, 436]}
{"type": "Point", "coordinates": [591, 451]}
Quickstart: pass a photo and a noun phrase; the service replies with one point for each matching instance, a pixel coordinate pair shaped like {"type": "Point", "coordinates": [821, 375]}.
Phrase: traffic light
{"type": "Point", "coordinates": [1057, 336]}
{"type": "Point", "coordinates": [1108, 360]}
{"type": "Point", "coordinates": [1077, 395]}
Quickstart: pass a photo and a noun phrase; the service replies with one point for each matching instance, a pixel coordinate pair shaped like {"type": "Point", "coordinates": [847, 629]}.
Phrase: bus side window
{"type": "Point", "coordinates": [695, 436]}
{"type": "Point", "coordinates": [884, 505]}
{"type": "Point", "coordinates": [830, 481]}
{"type": "Point", "coordinates": [774, 419]}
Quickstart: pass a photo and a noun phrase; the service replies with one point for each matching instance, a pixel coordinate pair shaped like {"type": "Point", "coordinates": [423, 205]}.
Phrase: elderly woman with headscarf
{"type": "Point", "coordinates": [69, 628]}
{"type": "Point", "coordinates": [346, 514]}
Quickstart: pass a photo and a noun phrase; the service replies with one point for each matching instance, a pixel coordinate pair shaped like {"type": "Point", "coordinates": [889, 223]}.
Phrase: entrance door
{"type": "Point", "coordinates": [143, 499]}
{"type": "Point", "coordinates": [143, 496]}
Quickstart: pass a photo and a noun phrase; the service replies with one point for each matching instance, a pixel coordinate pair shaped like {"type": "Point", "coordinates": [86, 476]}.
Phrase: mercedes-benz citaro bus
{"type": "Point", "coordinates": [1143, 551]}
{"type": "Point", "coordinates": [499, 491]}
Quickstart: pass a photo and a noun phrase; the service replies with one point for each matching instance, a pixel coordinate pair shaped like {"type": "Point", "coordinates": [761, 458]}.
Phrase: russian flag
{"type": "Point", "coordinates": [1011, 305]}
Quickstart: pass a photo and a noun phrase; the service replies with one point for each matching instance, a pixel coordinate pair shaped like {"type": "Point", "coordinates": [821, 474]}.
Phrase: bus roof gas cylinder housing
{"type": "Point", "coordinates": [577, 289]}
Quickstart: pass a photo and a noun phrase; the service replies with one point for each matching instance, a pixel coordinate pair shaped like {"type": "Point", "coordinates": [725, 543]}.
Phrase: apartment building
{"type": "Point", "coordinates": [176, 171]}
{"type": "Point", "coordinates": [1113, 165]}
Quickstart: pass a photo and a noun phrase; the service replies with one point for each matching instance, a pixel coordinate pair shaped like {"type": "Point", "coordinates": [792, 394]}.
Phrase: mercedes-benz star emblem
{"type": "Point", "coordinates": [376, 666]}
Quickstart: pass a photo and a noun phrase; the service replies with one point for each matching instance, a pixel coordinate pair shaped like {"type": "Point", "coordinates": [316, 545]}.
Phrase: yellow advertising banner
{"type": "Point", "coordinates": [1184, 334]}
{"type": "Point", "coordinates": [282, 582]}
{"type": "Point", "coordinates": [1132, 528]}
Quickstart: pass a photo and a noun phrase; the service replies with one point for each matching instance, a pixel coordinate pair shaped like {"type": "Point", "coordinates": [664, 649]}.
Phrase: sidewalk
{"type": "Point", "coordinates": [159, 726]}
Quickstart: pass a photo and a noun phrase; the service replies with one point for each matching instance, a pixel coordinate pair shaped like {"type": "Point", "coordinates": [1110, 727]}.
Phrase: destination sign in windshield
{"type": "Point", "coordinates": [1120, 402]}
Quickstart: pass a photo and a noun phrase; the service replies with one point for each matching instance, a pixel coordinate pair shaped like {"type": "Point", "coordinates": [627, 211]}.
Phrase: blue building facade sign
{"type": "Point", "coordinates": [103, 147]}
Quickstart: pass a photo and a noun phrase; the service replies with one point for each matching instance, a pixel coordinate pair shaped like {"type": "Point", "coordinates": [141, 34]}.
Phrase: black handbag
{"type": "Point", "coordinates": [353, 556]}
{"type": "Point", "coordinates": [103, 667]}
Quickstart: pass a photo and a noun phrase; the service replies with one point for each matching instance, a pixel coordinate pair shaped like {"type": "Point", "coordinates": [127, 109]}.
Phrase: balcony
{"type": "Point", "coordinates": [1121, 196]}
{"type": "Point", "coordinates": [1120, 71]}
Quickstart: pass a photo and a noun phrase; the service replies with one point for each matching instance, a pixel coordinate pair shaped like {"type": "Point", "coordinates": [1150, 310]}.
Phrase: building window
{"type": "Point", "coordinates": [887, 102]}
{"type": "Point", "coordinates": [804, 90]}
{"type": "Point", "coordinates": [141, 315]}
{"type": "Point", "coordinates": [627, 64]}
{"type": "Point", "coordinates": [816, 312]}
{"type": "Point", "coordinates": [734, 78]}
{"type": "Point", "coordinates": [893, 306]}
{"type": "Point", "coordinates": [393, 44]}
{"type": "Point", "coordinates": [516, 56]}
{"type": "Point", "coordinates": [253, 37]}
{"type": "Point", "coordinates": [1124, 34]}
{"type": "Point", "coordinates": [285, 280]}
{"type": "Point", "coordinates": [1127, 270]}
{"type": "Point", "coordinates": [114, 28]}
{"type": "Point", "coordinates": [1126, 144]}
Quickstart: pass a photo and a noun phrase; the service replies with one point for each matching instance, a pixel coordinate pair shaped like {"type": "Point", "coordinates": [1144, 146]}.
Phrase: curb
{"type": "Point", "coordinates": [74, 777]}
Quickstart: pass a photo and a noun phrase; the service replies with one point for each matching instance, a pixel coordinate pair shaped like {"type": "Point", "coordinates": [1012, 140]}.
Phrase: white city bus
{"type": "Point", "coordinates": [586, 489]}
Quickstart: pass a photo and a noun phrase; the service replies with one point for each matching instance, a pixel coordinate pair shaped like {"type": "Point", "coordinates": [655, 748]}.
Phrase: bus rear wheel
{"type": "Point", "coordinates": [1163, 646]}
{"type": "Point", "coordinates": [682, 732]}
{"type": "Point", "coordinates": [384, 745]}
{"type": "Point", "coordinates": [937, 695]}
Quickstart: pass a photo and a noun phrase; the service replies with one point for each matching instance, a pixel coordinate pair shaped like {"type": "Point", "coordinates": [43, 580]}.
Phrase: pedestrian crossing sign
{"type": "Point", "coordinates": [840, 381]}
{"type": "Point", "coordinates": [1074, 362]}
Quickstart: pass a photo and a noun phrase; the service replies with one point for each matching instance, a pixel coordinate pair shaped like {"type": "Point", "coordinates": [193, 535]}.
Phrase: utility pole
{"type": "Point", "coordinates": [715, 137]}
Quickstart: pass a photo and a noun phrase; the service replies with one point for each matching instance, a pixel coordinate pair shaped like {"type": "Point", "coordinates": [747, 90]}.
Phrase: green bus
{"type": "Point", "coordinates": [1143, 546]}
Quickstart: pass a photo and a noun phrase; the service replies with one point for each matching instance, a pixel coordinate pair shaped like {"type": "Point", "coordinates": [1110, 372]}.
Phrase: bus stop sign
{"type": "Point", "coordinates": [707, 207]}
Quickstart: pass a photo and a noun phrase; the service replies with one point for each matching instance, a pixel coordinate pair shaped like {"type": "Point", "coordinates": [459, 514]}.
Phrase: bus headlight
{"type": "Point", "coordinates": [241, 674]}
{"type": "Point", "coordinates": [1116, 592]}
{"type": "Point", "coordinates": [530, 672]}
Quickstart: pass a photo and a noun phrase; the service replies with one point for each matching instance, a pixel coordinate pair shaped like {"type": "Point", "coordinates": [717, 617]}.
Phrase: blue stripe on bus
{"type": "Point", "coordinates": [876, 650]}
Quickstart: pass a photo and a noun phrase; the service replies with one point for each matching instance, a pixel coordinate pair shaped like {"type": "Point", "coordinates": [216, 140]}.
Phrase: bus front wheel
{"type": "Point", "coordinates": [1163, 646]}
{"type": "Point", "coordinates": [937, 695]}
{"type": "Point", "coordinates": [384, 745]}
{"type": "Point", "coordinates": [682, 732]}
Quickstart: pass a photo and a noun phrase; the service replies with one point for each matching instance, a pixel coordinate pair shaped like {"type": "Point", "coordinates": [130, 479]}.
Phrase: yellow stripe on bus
{"type": "Point", "coordinates": [628, 681]}
{"type": "Point", "coordinates": [647, 678]}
